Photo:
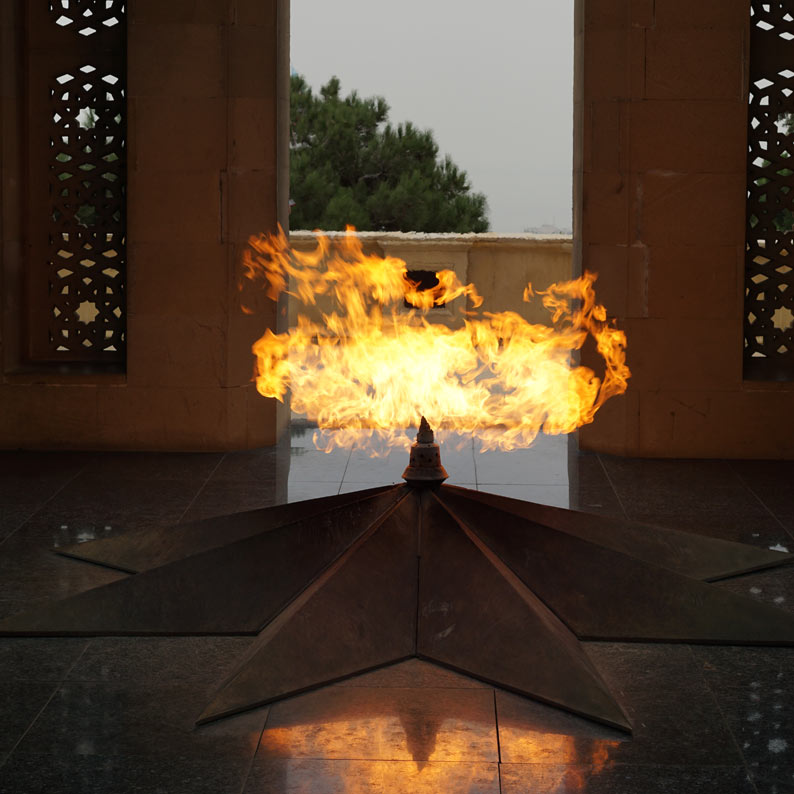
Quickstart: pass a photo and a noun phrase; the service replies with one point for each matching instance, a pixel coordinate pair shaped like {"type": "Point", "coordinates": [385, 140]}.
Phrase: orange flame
{"type": "Point", "coordinates": [371, 363]}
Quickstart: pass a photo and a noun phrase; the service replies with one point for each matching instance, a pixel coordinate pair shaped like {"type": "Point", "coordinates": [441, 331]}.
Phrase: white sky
{"type": "Point", "coordinates": [493, 81]}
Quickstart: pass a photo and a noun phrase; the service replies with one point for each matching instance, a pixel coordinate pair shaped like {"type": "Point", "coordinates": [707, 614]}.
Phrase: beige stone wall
{"type": "Point", "coordinates": [499, 266]}
{"type": "Point", "coordinates": [204, 81]}
{"type": "Point", "coordinates": [660, 156]}
{"type": "Point", "coordinates": [659, 194]}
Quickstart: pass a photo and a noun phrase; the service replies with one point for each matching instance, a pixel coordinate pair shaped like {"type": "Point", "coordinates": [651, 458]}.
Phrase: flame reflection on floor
{"type": "Point", "coordinates": [445, 754]}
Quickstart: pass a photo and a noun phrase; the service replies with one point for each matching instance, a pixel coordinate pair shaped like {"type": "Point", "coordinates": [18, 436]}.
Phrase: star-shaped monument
{"type": "Point", "coordinates": [497, 588]}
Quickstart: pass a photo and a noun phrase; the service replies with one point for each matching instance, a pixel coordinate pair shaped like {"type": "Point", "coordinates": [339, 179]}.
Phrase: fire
{"type": "Point", "coordinates": [370, 363]}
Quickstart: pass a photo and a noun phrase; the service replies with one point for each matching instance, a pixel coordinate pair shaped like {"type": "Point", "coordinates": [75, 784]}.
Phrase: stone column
{"type": "Point", "coordinates": [207, 108]}
{"type": "Point", "coordinates": [661, 185]}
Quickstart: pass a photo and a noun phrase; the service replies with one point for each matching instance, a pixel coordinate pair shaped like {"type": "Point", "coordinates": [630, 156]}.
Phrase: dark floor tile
{"type": "Point", "coordinates": [196, 466]}
{"type": "Point", "coordinates": [585, 470]}
{"type": "Point", "coordinates": [755, 691]}
{"type": "Point", "coordinates": [38, 658]}
{"type": "Point", "coordinates": [320, 776]}
{"type": "Point", "coordinates": [623, 779]}
{"type": "Point", "coordinates": [383, 724]}
{"type": "Point", "coordinates": [725, 513]}
{"type": "Point", "coordinates": [31, 773]}
{"type": "Point", "coordinates": [777, 781]}
{"type": "Point", "coordinates": [787, 520]}
{"type": "Point", "coordinates": [119, 503]}
{"type": "Point", "coordinates": [599, 500]}
{"type": "Point", "coordinates": [763, 728]}
{"type": "Point", "coordinates": [33, 575]}
{"type": "Point", "coordinates": [46, 531]}
{"type": "Point", "coordinates": [648, 475]}
{"type": "Point", "coordinates": [772, 484]}
{"type": "Point", "coordinates": [746, 669]}
{"type": "Point", "coordinates": [253, 465]}
{"type": "Point", "coordinates": [137, 661]}
{"type": "Point", "coordinates": [766, 474]}
{"type": "Point", "coordinates": [34, 477]}
{"type": "Point", "coordinates": [221, 497]}
{"type": "Point", "coordinates": [673, 714]}
{"type": "Point", "coordinates": [706, 497]}
{"type": "Point", "coordinates": [12, 517]}
{"type": "Point", "coordinates": [779, 500]}
{"type": "Point", "coordinates": [21, 703]}
{"type": "Point", "coordinates": [774, 586]}
{"type": "Point", "coordinates": [123, 718]}
{"type": "Point", "coordinates": [414, 673]}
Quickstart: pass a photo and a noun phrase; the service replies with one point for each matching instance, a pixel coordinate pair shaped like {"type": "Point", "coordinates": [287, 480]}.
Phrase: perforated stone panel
{"type": "Point", "coordinates": [769, 284]}
{"type": "Point", "coordinates": [83, 305]}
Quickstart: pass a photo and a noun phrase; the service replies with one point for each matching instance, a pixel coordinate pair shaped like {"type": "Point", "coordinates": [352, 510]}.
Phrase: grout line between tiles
{"type": "Point", "coordinates": [49, 700]}
{"type": "Point", "coordinates": [256, 751]}
{"type": "Point", "coordinates": [45, 503]}
{"type": "Point", "coordinates": [724, 720]}
{"type": "Point", "coordinates": [344, 473]}
{"type": "Point", "coordinates": [612, 486]}
{"type": "Point", "coordinates": [498, 742]}
{"type": "Point", "coordinates": [762, 502]}
{"type": "Point", "coordinates": [201, 488]}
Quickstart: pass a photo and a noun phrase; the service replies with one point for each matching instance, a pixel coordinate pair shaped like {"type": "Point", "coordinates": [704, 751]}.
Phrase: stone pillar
{"type": "Point", "coordinates": [660, 183]}
{"type": "Point", "coordinates": [207, 109]}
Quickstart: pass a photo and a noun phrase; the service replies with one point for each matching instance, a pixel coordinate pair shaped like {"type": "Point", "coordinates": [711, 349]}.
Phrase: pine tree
{"type": "Point", "coordinates": [349, 165]}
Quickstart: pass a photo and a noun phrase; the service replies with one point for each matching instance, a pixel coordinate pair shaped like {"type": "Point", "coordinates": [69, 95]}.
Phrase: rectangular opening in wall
{"type": "Point", "coordinates": [447, 120]}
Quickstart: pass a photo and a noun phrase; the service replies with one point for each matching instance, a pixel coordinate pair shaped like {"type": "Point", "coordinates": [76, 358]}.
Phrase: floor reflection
{"type": "Point", "coordinates": [320, 464]}
{"type": "Point", "coordinates": [393, 739]}
{"type": "Point", "coordinates": [571, 762]}
{"type": "Point", "coordinates": [380, 723]}
{"type": "Point", "coordinates": [90, 715]}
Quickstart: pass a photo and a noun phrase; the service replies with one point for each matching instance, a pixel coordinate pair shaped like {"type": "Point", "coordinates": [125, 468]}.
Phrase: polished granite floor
{"type": "Point", "coordinates": [85, 716]}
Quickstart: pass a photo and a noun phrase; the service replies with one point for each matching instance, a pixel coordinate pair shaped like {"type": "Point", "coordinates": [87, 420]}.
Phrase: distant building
{"type": "Point", "coordinates": [546, 228]}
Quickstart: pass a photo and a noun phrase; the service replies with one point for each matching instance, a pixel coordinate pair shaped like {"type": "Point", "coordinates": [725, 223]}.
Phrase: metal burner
{"type": "Point", "coordinates": [497, 588]}
{"type": "Point", "coordinates": [424, 466]}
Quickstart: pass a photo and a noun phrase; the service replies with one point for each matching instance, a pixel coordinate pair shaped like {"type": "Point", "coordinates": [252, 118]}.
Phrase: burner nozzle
{"type": "Point", "coordinates": [424, 467]}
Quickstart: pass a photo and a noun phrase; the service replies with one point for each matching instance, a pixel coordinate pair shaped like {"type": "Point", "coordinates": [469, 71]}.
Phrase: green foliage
{"type": "Point", "coordinates": [784, 218]}
{"type": "Point", "coordinates": [348, 165]}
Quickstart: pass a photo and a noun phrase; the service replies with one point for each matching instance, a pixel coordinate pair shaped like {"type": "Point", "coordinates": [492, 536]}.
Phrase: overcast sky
{"type": "Point", "coordinates": [493, 81]}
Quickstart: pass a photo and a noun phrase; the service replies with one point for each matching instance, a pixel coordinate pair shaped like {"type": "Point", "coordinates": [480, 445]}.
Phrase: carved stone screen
{"type": "Point", "coordinates": [769, 280]}
{"type": "Point", "coordinates": [76, 94]}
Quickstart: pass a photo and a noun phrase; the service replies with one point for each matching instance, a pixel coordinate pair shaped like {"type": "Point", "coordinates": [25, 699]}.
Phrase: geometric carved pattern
{"type": "Point", "coordinates": [769, 264]}
{"type": "Point", "coordinates": [85, 17]}
{"type": "Point", "coordinates": [86, 253]}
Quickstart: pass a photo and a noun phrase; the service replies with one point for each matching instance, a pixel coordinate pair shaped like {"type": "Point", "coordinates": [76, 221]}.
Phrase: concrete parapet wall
{"type": "Point", "coordinates": [500, 266]}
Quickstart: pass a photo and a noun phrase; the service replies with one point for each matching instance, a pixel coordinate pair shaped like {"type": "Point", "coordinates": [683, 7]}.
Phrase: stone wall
{"type": "Point", "coordinates": [204, 83]}
{"type": "Point", "coordinates": [659, 202]}
{"type": "Point", "coordinates": [660, 187]}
